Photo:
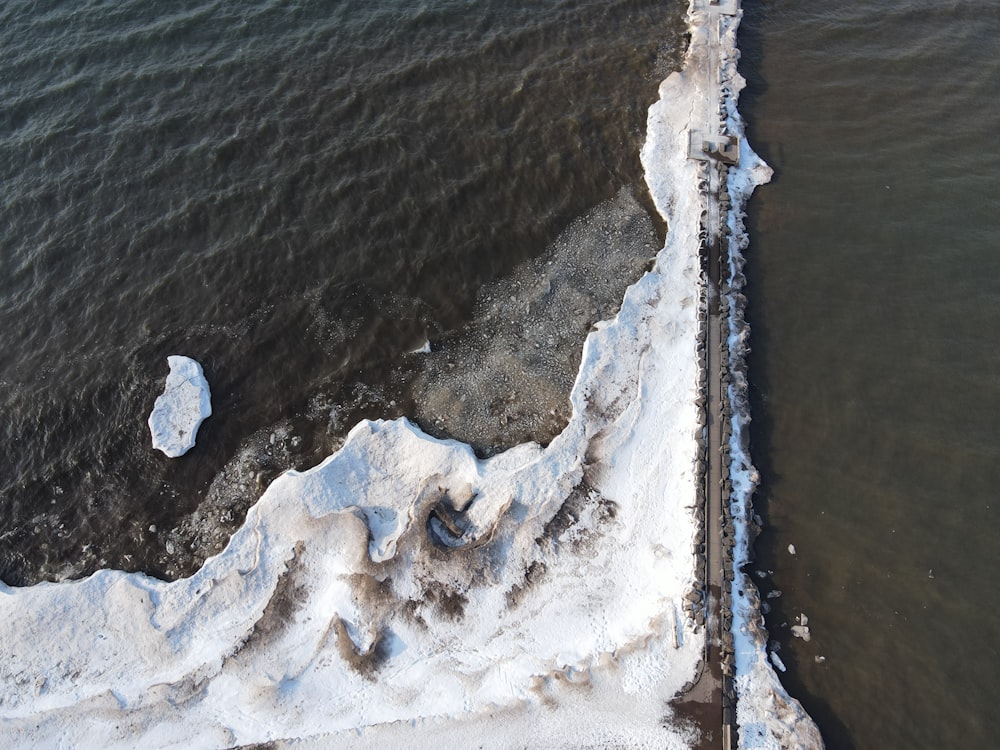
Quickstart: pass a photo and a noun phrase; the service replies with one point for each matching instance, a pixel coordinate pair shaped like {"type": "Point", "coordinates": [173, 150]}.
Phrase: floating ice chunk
{"type": "Point", "coordinates": [802, 631]}
{"type": "Point", "coordinates": [184, 404]}
{"type": "Point", "coordinates": [424, 348]}
{"type": "Point", "coordinates": [791, 549]}
{"type": "Point", "coordinates": [776, 660]}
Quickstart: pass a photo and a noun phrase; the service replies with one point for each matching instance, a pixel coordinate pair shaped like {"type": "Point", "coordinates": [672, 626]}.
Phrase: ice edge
{"type": "Point", "coordinates": [767, 716]}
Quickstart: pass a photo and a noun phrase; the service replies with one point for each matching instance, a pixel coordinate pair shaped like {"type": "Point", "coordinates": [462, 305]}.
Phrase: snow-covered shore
{"type": "Point", "coordinates": [406, 590]}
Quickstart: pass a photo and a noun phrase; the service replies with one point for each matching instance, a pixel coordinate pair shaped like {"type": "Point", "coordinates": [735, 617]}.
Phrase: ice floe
{"type": "Point", "coordinates": [178, 412]}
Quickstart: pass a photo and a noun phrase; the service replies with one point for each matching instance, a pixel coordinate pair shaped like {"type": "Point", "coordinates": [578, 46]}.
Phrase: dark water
{"type": "Point", "coordinates": [875, 304]}
{"type": "Point", "coordinates": [293, 193]}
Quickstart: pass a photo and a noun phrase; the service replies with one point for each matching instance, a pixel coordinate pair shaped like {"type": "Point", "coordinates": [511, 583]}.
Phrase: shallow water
{"type": "Point", "coordinates": [295, 194]}
{"type": "Point", "coordinates": [874, 283]}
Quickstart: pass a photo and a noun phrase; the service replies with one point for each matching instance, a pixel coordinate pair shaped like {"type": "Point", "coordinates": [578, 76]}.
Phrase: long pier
{"type": "Point", "coordinates": [711, 701]}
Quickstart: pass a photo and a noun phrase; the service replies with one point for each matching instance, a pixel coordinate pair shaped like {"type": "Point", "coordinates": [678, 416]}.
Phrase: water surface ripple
{"type": "Point", "coordinates": [294, 194]}
{"type": "Point", "coordinates": [875, 300]}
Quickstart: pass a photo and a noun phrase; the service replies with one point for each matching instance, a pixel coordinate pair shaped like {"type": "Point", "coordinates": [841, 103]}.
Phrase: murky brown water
{"type": "Point", "coordinates": [875, 303]}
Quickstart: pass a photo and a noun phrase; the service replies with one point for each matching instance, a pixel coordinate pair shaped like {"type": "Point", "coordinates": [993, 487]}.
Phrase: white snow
{"type": "Point", "coordinates": [406, 593]}
{"type": "Point", "coordinates": [185, 403]}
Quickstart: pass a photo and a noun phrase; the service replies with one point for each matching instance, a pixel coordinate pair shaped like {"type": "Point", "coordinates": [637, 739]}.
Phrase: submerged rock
{"type": "Point", "coordinates": [185, 403]}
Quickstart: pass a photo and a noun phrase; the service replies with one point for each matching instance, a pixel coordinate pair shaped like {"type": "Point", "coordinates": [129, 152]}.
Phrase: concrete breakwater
{"type": "Point", "coordinates": [736, 689]}
{"type": "Point", "coordinates": [712, 698]}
